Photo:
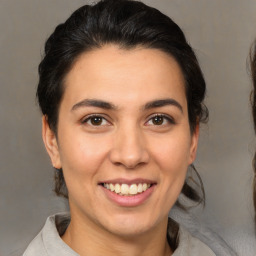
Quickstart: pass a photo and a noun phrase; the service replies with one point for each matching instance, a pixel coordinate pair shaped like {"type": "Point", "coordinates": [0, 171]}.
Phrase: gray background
{"type": "Point", "coordinates": [221, 32]}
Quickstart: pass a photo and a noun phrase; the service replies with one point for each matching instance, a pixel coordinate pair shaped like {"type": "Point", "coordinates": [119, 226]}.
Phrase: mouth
{"type": "Point", "coordinates": [128, 193]}
{"type": "Point", "coordinates": [124, 189]}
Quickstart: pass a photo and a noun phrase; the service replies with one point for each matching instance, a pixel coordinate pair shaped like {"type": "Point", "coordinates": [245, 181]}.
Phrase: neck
{"type": "Point", "coordinates": [87, 239]}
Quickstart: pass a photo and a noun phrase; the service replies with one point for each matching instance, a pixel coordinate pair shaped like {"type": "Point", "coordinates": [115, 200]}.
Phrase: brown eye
{"type": "Point", "coordinates": [158, 120]}
{"type": "Point", "coordinates": [96, 120]}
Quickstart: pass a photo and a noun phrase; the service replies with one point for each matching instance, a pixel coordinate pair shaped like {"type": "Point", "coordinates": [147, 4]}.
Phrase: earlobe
{"type": "Point", "coordinates": [50, 142]}
{"type": "Point", "coordinates": [194, 143]}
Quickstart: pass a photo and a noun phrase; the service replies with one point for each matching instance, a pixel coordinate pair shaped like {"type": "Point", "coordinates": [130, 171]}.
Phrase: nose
{"type": "Point", "coordinates": [129, 148]}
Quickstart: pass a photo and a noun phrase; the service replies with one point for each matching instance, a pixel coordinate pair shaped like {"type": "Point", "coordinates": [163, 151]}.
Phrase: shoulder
{"type": "Point", "coordinates": [48, 242]}
{"type": "Point", "coordinates": [36, 247]}
{"type": "Point", "coordinates": [189, 245]}
{"type": "Point", "coordinates": [197, 229]}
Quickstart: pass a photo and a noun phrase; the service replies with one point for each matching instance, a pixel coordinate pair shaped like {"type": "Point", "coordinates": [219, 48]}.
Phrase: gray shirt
{"type": "Point", "coordinates": [49, 243]}
{"type": "Point", "coordinates": [202, 232]}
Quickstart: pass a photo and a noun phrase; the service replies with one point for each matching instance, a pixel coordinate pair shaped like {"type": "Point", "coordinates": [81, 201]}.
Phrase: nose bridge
{"type": "Point", "coordinates": [129, 146]}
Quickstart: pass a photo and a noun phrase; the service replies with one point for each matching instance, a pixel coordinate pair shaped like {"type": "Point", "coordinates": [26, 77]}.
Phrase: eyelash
{"type": "Point", "coordinates": [167, 118]}
{"type": "Point", "coordinates": [89, 118]}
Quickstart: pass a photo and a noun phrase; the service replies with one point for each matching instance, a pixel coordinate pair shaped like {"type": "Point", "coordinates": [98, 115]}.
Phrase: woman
{"type": "Point", "coordinates": [121, 94]}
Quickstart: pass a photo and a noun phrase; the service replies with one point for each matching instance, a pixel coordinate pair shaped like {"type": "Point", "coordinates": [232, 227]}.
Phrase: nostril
{"type": "Point", "coordinates": [117, 163]}
{"type": "Point", "coordinates": [135, 165]}
{"type": "Point", "coordinates": [129, 165]}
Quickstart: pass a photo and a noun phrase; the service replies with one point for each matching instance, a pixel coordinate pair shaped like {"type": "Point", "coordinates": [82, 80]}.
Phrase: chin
{"type": "Point", "coordinates": [129, 231]}
{"type": "Point", "coordinates": [130, 226]}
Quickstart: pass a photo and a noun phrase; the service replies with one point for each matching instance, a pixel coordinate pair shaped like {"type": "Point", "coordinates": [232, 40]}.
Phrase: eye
{"type": "Point", "coordinates": [159, 120]}
{"type": "Point", "coordinates": [95, 120]}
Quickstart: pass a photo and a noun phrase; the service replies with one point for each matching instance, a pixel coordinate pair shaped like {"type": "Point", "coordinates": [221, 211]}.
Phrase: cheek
{"type": "Point", "coordinates": [171, 157]}
{"type": "Point", "coordinates": [173, 154]}
{"type": "Point", "coordinates": [83, 155]}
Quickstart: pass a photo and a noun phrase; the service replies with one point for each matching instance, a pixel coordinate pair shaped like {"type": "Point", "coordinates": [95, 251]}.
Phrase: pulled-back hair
{"type": "Point", "coordinates": [127, 24]}
{"type": "Point", "coordinates": [253, 103]}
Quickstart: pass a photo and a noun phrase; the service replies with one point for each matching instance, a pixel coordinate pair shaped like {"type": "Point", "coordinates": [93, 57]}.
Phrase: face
{"type": "Point", "coordinates": [124, 141]}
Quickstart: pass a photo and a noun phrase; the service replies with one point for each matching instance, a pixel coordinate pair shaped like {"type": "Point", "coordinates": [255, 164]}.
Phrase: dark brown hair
{"type": "Point", "coordinates": [253, 103]}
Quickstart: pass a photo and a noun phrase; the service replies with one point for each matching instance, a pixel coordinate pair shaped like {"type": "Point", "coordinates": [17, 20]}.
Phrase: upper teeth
{"type": "Point", "coordinates": [125, 189]}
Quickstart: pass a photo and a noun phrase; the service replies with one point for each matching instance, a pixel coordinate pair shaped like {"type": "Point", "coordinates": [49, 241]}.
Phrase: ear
{"type": "Point", "coordinates": [194, 143]}
{"type": "Point", "coordinates": [50, 142]}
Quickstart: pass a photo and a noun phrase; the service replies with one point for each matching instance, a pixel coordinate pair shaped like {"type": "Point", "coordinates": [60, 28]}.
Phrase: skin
{"type": "Point", "coordinates": [127, 144]}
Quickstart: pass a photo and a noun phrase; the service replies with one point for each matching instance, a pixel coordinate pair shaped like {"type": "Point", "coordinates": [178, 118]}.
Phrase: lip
{"type": "Point", "coordinates": [128, 201]}
{"type": "Point", "coordinates": [128, 182]}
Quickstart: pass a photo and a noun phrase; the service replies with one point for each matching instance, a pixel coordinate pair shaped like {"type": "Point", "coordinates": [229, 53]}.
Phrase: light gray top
{"type": "Point", "coordinates": [190, 222]}
{"type": "Point", "coordinates": [49, 243]}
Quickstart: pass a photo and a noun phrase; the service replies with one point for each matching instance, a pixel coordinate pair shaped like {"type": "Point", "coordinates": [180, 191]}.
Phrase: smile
{"type": "Point", "coordinates": [127, 190]}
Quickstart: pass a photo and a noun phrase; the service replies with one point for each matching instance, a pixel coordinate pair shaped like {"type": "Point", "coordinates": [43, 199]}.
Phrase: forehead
{"type": "Point", "coordinates": [134, 74]}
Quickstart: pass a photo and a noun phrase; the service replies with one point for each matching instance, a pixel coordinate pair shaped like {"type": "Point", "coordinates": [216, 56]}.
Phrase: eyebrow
{"type": "Point", "coordinates": [94, 103]}
{"type": "Point", "coordinates": [162, 103]}
{"type": "Point", "coordinates": [107, 105]}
